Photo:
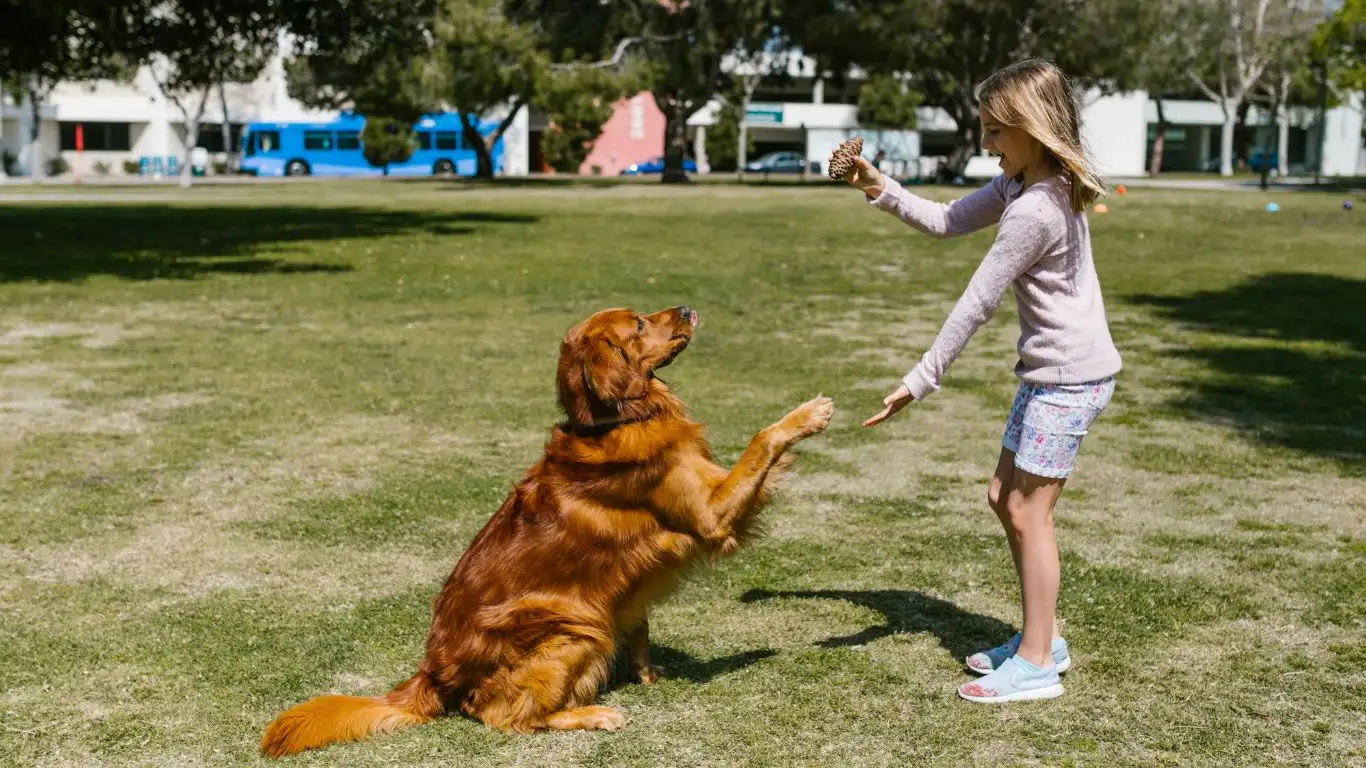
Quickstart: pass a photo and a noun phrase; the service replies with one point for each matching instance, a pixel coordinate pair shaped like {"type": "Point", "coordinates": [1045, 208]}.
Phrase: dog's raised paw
{"type": "Point", "coordinates": [812, 417]}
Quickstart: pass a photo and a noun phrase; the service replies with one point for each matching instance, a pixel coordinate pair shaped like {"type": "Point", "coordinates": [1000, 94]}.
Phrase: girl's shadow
{"type": "Point", "coordinates": [960, 632]}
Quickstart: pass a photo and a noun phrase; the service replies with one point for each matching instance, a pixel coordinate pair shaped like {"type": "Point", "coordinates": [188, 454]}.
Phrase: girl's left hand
{"type": "Point", "coordinates": [899, 399]}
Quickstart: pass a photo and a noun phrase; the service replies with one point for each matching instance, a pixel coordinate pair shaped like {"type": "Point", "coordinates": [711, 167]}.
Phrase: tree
{"type": "Point", "coordinates": [1237, 41]}
{"type": "Point", "coordinates": [194, 46]}
{"type": "Point", "coordinates": [946, 48]}
{"type": "Point", "coordinates": [372, 56]}
{"type": "Point", "coordinates": [47, 43]}
{"type": "Point", "coordinates": [1339, 43]}
{"type": "Point", "coordinates": [724, 135]}
{"type": "Point", "coordinates": [483, 59]}
{"type": "Point", "coordinates": [1161, 55]}
{"type": "Point", "coordinates": [385, 140]}
{"type": "Point", "coordinates": [750, 68]}
{"type": "Point", "coordinates": [678, 47]}
{"type": "Point", "coordinates": [887, 103]}
{"type": "Point", "coordinates": [577, 103]}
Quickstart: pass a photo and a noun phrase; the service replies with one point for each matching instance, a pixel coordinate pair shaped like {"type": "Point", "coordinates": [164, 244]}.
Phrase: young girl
{"type": "Point", "coordinates": [1067, 360]}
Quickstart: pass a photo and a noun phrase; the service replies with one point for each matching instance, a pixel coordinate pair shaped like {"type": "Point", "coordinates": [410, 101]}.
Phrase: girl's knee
{"type": "Point", "coordinates": [1026, 515]}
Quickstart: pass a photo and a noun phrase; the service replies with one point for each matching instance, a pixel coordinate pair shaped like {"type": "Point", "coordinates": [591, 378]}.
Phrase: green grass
{"type": "Point", "coordinates": [246, 435]}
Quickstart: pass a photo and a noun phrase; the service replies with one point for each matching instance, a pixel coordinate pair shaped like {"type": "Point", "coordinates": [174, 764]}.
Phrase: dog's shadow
{"type": "Point", "coordinates": [681, 665]}
{"type": "Point", "coordinates": [960, 632]}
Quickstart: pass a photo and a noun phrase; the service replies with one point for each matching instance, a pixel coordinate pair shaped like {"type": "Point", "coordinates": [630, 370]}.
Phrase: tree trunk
{"type": "Point", "coordinates": [675, 143]}
{"type": "Point", "coordinates": [226, 126]}
{"type": "Point", "coordinates": [741, 156]}
{"type": "Point", "coordinates": [1226, 139]}
{"type": "Point", "coordinates": [1283, 127]}
{"type": "Point", "coordinates": [191, 139]}
{"type": "Point", "coordinates": [4, 171]}
{"type": "Point", "coordinates": [966, 142]}
{"type": "Point", "coordinates": [483, 159]}
{"type": "Point", "coordinates": [1242, 144]}
{"type": "Point", "coordinates": [1155, 162]}
{"type": "Point", "coordinates": [192, 121]}
{"type": "Point", "coordinates": [36, 171]}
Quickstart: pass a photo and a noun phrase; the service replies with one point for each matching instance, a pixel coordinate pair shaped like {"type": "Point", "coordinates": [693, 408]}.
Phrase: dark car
{"type": "Point", "coordinates": [780, 162]}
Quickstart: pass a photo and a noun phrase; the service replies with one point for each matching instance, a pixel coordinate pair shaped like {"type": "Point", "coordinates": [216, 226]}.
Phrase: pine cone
{"type": "Point", "coordinates": [842, 159]}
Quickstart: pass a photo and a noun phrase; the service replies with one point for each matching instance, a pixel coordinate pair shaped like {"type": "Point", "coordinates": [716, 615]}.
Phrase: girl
{"type": "Point", "coordinates": [1067, 360]}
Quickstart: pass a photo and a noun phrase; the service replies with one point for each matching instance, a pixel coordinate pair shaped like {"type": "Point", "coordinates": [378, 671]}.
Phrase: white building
{"type": "Point", "coordinates": [808, 115]}
{"type": "Point", "coordinates": [134, 124]}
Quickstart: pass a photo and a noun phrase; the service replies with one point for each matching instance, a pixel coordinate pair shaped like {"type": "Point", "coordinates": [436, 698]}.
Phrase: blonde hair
{"type": "Point", "coordinates": [1036, 97]}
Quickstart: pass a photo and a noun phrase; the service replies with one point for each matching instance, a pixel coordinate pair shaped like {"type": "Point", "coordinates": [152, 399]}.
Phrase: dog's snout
{"type": "Point", "coordinates": [687, 314]}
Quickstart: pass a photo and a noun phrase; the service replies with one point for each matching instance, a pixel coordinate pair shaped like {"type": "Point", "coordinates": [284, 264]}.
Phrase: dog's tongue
{"type": "Point", "coordinates": [693, 318]}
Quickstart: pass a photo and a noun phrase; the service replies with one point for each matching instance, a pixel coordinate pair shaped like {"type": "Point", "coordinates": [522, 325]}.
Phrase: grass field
{"type": "Point", "coordinates": [247, 435]}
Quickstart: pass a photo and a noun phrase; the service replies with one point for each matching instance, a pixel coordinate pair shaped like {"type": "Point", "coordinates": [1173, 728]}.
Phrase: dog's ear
{"type": "Point", "coordinates": [609, 375]}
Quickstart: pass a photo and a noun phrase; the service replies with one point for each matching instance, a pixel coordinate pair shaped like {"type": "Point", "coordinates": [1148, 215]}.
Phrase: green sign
{"type": "Point", "coordinates": [764, 113]}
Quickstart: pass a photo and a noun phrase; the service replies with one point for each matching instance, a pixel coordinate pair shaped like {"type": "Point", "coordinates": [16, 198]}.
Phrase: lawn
{"type": "Point", "coordinates": [244, 437]}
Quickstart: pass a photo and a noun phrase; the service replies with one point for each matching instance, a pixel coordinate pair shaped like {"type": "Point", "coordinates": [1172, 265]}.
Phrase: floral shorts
{"type": "Point", "coordinates": [1048, 421]}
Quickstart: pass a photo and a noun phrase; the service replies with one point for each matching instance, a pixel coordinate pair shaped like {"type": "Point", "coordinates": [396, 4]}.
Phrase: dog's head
{"type": "Point", "coordinates": [608, 361]}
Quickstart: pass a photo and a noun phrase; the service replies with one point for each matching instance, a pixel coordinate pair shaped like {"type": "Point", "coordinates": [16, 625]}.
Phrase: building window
{"type": "Point", "coordinates": [318, 141]}
{"type": "Point", "coordinates": [97, 137]}
{"type": "Point", "coordinates": [348, 140]}
{"type": "Point", "coordinates": [211, 137]}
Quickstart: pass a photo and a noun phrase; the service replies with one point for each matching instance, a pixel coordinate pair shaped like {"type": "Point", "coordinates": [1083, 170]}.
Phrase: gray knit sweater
{"type": "Point", "coordinates": [1043, 250]}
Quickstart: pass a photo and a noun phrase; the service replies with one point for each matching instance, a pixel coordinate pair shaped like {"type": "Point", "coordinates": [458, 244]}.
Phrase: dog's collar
{"type": "Point", "coordinates": [601, 426]}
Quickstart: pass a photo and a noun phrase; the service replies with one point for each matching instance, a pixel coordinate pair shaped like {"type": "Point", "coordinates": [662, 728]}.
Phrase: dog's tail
{"type": "Point", "coordinates": [326, 719]}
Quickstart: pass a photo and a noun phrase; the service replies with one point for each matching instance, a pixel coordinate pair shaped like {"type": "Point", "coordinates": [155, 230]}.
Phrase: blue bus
{"type": "Point", "coordinates": [334, 149]}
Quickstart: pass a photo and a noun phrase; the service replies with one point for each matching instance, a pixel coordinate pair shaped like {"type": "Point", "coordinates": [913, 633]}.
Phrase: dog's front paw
{"type": "Point", "coordinates": [648, 675]}
{"type": "Point", "coordinates": [810, 418]}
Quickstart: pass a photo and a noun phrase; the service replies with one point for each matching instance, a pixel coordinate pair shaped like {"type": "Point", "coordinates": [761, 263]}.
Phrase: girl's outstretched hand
{"type": "Point", "coordinates": [863, 176]}
{"type": "Point", "coordinates": [894, 402]}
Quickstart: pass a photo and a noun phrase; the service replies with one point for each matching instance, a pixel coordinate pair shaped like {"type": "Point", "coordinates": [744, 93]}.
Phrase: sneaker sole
{"type": "Point", "coordinates": [1035, 694]}
{"type": "Point", "coordinates": [1063, 667]}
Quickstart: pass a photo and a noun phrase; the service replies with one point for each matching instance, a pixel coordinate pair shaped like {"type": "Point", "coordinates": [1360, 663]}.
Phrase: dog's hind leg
{"type": "Point", "coordinates": [554, 687]}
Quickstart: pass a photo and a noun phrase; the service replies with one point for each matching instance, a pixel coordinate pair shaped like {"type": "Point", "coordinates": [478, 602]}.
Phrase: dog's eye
{"type": "Point", "coordinates": [640, 325]}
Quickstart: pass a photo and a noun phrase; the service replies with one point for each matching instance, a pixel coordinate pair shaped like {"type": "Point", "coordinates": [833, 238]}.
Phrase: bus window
{"type": "Point", "coordinates": [265, 141]}
{"type": "Point", "coordinates": [348, 140]}
{"type": "Point", "coordinates": [447, 140]}
{"type": "Point", "coordinates": [424, 140]}
{"type": "Point", "coordinates": [317, 140]}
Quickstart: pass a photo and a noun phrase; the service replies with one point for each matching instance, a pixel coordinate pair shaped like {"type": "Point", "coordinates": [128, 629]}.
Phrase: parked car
{"type": "Point", "coordinates": [656, 165]}
{"type": "Point", "coordinates": [780, 162]}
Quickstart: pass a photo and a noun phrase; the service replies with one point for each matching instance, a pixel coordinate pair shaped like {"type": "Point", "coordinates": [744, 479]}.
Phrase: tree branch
{"type": "Point", "coordinates": [616, 55]}
{"type": "Point", "coordinates": [516, 107]}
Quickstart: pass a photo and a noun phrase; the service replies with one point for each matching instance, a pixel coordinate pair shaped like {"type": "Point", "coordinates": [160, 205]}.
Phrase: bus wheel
{"type": "Point", "coordinates": [296, 168]}
{"type": "Point", "coordinates": [443, 168]}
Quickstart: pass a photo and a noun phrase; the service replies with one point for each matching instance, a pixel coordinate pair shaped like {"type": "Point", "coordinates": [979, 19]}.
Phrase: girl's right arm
{"type": "Point", "coordinates": [960, 217]}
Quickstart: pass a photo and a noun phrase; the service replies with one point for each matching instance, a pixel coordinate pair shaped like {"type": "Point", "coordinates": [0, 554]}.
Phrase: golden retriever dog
{"type": "Point", "coordinates": [624, 500]}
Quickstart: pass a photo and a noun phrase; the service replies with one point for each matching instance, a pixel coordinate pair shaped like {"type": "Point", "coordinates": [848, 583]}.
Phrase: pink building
{"type": "Point", "coordinates": [634, 133]}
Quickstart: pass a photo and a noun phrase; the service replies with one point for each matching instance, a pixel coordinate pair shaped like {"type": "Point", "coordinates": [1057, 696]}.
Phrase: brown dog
{"type": "Point", "coordinates": [626, 498]}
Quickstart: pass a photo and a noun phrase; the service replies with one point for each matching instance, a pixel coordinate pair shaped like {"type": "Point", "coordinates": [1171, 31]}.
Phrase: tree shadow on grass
{"type": "Point", "coordinates": [1291, 393]}
{"type": "Point", "coordinates": [960, 632]}
{"type": "Point", "coordinates": [61, 243]}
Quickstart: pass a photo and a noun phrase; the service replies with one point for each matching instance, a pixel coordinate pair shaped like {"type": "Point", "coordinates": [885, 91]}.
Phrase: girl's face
{"type": "Point", "coordinates": [1019, 151]}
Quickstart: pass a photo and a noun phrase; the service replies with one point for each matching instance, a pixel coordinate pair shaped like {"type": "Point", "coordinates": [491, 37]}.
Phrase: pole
{"type": "Point", "coordinates": [80, 147]}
